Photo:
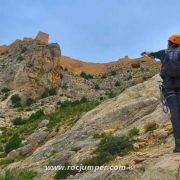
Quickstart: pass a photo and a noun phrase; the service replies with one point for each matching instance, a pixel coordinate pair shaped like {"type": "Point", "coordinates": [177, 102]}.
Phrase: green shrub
{"type": "Point", "coordinates": [4, 136]}
{"type": "Point", "coordinates": [96, 87]}
{"type": "Point", "coordinates": [114, 145]}
{"type": "Point", "coordinates": [133, 132]}
{"type": "Point", "coordinates": [67, 103]}
{"type": "Point", "coordinates": [13, 143]}
{"type": "Point", "coordinates": [16, 100]}
{"type": "Point", "coordinates": [118, 83]}
{"type": "Point", "coordinates": [5, 90]}
{"type": "Point", "coordinates": [27, 128]}
{"type": "Point", "coordinates": [5, 96]}
{"type": "Point", "coordinates": [22, 175]}
{"type": "Point", "coordinates": [150, 126]}
{"type": "Point", "coordinates": [109, 147]}
{"type": "Point", "coordinates": [97, 160]}
{"type": "Point", "coordinates": [9, 175]}
{"type": "Point", "coordinates": [113, 73]}
{"type": "Point", "coordinates": [69, 112]}
{"type": "Point", "coordinates": [104, 76]}
{"type": "Point", "coordinates": [36, 116]}
{"type": "Point", "coordinates": [52, 92]}
{"type": "Point", "coordinates": [28, 125]}
{"type": "Point", "coordinates": [24, 49]}
{"type": "Point", "coordinates": [64, 86]}
{"type": "Point", "coordinates": [49, 92]}
{"type": "Point", "coordinates": [30, 101]}
{"type": "Point", "coordinates": [72, 103]}
{"type": "Point", "coordinates": [27, 175]}
{"type": "Point", "coordinates": [64, 173]}
{"type": "Point", "coordinates": [6, 161]}
{"type": "Point", "coordinates": [86, 76]}
{"type": "Point", "coordinates": [18, 121]}
{"type": "Point", "coordinates": [83, 99]}
{"type": "Point", "coordinates": [129, 77]}
{"type": "Point", "coordinates": [1, 148]}
{"type": "Point", "coordinates": [20, 58]}
{"type": "Point", "coordinates": [110, 94]}
{"type": "Point", "coordinates": [45, 94]}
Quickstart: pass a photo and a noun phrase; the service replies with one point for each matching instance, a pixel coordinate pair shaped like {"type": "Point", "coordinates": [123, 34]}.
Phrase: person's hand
{"type": "Point", "coordinates": [146, 54]}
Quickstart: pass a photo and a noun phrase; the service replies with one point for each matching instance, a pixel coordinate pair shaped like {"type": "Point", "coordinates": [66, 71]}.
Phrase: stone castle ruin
{"type": "Point", "coordinates": [41, 37]}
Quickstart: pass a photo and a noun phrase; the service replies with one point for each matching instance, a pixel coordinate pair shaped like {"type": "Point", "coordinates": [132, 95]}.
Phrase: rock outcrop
{"type": "Point", "coordinates": [3, 49]}
{"type": "Point", "coordinates": [43, 37]}
{"type": "Point", "coordinates": [29, 66]}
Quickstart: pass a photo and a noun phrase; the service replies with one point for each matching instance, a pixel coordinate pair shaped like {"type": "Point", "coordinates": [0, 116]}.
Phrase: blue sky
{"type": "Point", "coordinates": [93, 30]}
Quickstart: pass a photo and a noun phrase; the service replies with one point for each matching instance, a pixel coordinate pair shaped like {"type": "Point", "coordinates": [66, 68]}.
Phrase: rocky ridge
{"type": "Point", "coordinates": [33, 68]}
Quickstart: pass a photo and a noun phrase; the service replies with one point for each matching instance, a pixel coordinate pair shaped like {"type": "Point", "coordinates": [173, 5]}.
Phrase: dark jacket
{"type": "Point", "coordinates": [167, 81]}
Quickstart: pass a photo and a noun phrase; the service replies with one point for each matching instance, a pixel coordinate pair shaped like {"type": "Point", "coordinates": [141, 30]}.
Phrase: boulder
{"type": "Point", "coordinates": [43, 123]}
{"type": "Point", "coordinates": [38, 136]}
{"type": "Point", "coordinates": [13, 154]}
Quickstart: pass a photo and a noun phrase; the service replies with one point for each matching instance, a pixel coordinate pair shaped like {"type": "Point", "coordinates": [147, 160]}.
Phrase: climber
{"type": "Point", "coordinates": [170, 74]}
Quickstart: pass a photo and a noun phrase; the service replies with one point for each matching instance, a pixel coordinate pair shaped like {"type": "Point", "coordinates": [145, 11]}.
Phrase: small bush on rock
{"type": "Point", "coordinates": [133, 132]}
{"type": "Point", "coordinates": [18, 121]}
{"type": "Point", "coordinates": [5, 90]}
{"type": "Point", "coordinates": [117, 83]}
{"type": "Point", "coordinates": [30, 101]}
{"type": "Point", "coordinates": [110, 94]}
{"type": "Point", "coordinates": [96, 87]}
{"type": "Point", "coordinates": [16, 100]}
{"type": "Point", "coordinates": [13, 143]}
{"type": "Point", "coordinates": [109, 147]}
{"type": "Point", "coordinates": [22, 175]}
{"type": "Point", "coordinates": [86, 76]}
{"type": "Point", "coordinates": [49, 92]}
{"type": "Point", "coordinates": [64, 173]}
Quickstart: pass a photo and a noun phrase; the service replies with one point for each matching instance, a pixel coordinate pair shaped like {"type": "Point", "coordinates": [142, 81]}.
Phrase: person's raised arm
{"type": "Point", "coordinates": [158, 55]}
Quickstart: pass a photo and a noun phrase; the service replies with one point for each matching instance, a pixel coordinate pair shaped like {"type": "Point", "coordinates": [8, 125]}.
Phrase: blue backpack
{"type": "Point", "coordinates": [171, 65]}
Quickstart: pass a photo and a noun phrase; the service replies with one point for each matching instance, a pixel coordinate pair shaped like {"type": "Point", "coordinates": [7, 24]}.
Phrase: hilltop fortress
{"type": "Point", "coordinates": [41, 36]}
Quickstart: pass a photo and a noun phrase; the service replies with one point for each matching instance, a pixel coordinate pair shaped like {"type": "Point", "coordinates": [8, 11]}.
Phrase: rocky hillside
{"type": "Point", "coordinates": [33, 69]}
{"type": "Point", "coordinates": [58, 111]}
{"type": "Point", "coordinates": [135, 115]}
{"type": "Point", "coordinates": [77, 66]}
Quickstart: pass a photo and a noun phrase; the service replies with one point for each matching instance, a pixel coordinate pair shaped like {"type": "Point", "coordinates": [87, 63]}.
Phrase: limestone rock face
{"type": "Point", "coordinates": [43, 37]}
{"type": "Point", "coordinates": [28, 67]}
{"type": "Point", "coordinates": [166, 168]}
{"type": "Point", "coordinates": [55, 49]}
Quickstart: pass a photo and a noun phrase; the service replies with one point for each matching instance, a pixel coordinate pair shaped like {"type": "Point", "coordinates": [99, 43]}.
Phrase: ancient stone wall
{"type": "Point", "coordinates": [3, 49]}
{"type": "Point", "coordinates": [43, 37]}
